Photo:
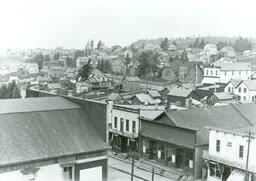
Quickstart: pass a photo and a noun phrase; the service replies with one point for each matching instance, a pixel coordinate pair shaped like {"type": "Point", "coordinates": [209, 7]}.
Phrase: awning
{"type": "Point", "coordinates": [236, 175]}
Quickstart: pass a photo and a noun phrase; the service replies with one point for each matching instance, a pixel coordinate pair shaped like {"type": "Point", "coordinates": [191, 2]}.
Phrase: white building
{"type": "Point", "coordinates": [210, 49]}
{"type": "Point", "coordinates": [125, 126]}
{"type": "Point", "coordinates": [231, 85]}
{"type": "Point", "coordinates": [223, 72]}
{"type": "Point", "coordinates": [246, 91]}
{"type": "Point", "coordinates": [227, 155]}
{"type": "Point", "coordinates": [81, 61]}
{"type": "Point", "coordinates": [31, 68]}
{"type": "Point", "coordinates": [228, 51]}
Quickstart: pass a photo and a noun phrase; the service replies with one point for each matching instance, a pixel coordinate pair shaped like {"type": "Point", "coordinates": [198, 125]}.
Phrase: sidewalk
{"type": "Point", "coordinates": [125, 166]}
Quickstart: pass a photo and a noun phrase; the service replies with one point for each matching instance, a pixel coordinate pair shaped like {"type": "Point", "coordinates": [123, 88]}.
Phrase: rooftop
{"type": "Point", "coordinates": [35, 104]}
{"type": "Point", "coordinates": [32, 131]}
{"type": "Point", "coordinates": [179, 92]}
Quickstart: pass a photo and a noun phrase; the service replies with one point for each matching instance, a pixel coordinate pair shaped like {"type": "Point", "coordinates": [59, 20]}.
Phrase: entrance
{"type": "Point", "coordinates": [152, 149]}
{"type": "Point", "coordinates": [180, 154]}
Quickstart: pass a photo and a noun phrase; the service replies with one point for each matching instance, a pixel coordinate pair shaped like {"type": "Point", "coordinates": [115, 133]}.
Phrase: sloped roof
{"type": "Point", "coordinates": [132, 79]}
{"type": "Point", "coordinates": [54, 85]}
{"type": "Point", "coordinates": [235, 82]}
{"type": "Point", "coordinates": [251, 84]}
{"type": "Point", "coordinates": [35, 104]}
{"type": "Point", "coordinates": [227, 117]}
{"type": "Point", "coordinates": [234, 66]}
{"type": "Point", "coordinates": [179, 92]}
{"type": "Point", "coordinates": [44, 134]}
{"type": "Point", "coordinates": [154, 93]}
{"type": "Point", "coordinates": [114, 97]}
{"type": "Point", "coordinates": [224, 95]}
{"type": "Point", "coordinates": [146, 98]}
{"type": "Point", "coordinates": [150, 114]}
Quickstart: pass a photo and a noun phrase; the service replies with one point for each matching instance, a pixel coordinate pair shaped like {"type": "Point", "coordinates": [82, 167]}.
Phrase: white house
{"type": "Point", "coordinates": [210, 49]}
{"type": "Point", "coordinates": [228, 51]}
{"type": "Point", "coordinates": [81, 61]}
{"type": "Point", "coordinates": [246, 91]}
{"type": "Point", "coordinates": [31, 68]}
{"type": "Point", "coordinates": [227, 154]}
{"type": "Point", "coordinates": [223, 72]}
{"type": "Point", "coordinates": [231, 85]}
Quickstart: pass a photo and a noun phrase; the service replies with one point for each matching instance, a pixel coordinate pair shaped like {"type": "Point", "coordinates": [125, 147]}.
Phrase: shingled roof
{"type": "Point", "coordinates": [53, 129]}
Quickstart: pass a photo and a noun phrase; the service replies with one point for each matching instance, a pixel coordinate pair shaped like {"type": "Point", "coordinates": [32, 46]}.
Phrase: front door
{"type": "Point", "coordinates": [122, 125]}
{"type": "Point", "coordinates": [152, 150]}
{"type": "Point", "coordinates": [180, 158]}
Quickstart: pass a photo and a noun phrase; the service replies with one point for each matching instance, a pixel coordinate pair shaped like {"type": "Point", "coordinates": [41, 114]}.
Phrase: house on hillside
{"type": "Point", "coordinates": [184, 72]}
{"type": "Point", "coordinates": [52, 87]}
{"type": "Point", "coordinates": [37, 146]}
{"type": "Point", "coordinates": [98, 79]}
{"type": "Point", "coordinates": [118, 66]}
{"type": "Point", "coordinates": [55, 72]}
{"type": "Point", "coordinates": [210, 49]}
{"type": "Point", "coordinates": [228, 51]}
{"type": "Point", "coordinates": [130, 84]}
{"type": "Point", "coordinates": [181, 136]}
{"type": "Point", "coordinates": [227, 154]}
{"type": "Point", "coordinates": [116, 98]}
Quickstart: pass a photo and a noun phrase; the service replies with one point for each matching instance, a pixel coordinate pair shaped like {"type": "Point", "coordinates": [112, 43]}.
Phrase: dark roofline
{"type": "Point", "coordinates": [56, 157]}
{"type": "Point", "coordinates": [42, 110]}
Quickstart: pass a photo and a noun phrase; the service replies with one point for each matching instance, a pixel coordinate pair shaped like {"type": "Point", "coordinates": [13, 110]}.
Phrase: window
{"type": "Point", "coordinates": [239, 98]}
{"type": "Point", "coordinates": [239, 89]}
{"type": "Point", "coordinates": [244, 98]}
{"type": "Point", "coordinates": [211, 72]}
{"type": "Point", "coordinates": [232, 72]}
{"type": "Point", "coordinates": [216, 72]}
{"type": "Point", "coordinates": [218, 145]}
{"type": "Point", "coordinates": [115, 122]}
{"type": "Point", "coordinates": [214, 170]}
{"type": "Point", "coordinates": [225, 72]}
{"type": "Point", "coordinates": [207, 72]}
{"type": "Point", "coordinates": [121, 124]}
{"type": "Point", "coordinates": [133, 126]}
{"type": "Point", "coordinates": [252, 99]}
{"type": "Point", "coordinates": [245, 90]}
{"type": "Point", "coordinates": [246, 72]}
{"type": "Point", "coordinates": [68, 173]}
{"type": "Point", "coordinates": [229, 144]}
{"type": "Point", "coordinates": [229, 89]}
{"type": "Point", "coordinates": [239, 72]}
{"type": "Point", "coordinates": [241, 151]}
{"type": "Point", "coordinates": [127, 125]}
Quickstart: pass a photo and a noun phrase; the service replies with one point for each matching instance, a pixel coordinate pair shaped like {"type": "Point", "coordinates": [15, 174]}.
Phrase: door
{"type": "Point", "coordinates": [180, 158]}
{"type": "Point", "coordinates": [152, 150]}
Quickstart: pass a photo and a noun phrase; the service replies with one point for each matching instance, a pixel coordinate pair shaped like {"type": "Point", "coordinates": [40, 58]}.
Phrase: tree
{"type": "Point", "coordinates": [184, 56]}
{"type": "Point", "coordinates": [70, 62]}
{"type": "Point", "coordinates": [99, 45]}
{"type": "Point", "coordinates": [92, 44]}
{"type": "Point", "coordinates": [104, 66]}
{"type": "Point", "coordinates": [165, 44]}
{"type": "Point", "coordinates": [39, 59]}
{"type": "Point", "coordinates": [79, 53]}
{"type": "Point", "coordinates": [10, 91]}
{"type": "Point", "coordinates": [56, 56]}
{"type": "Point", "coordinates": [242, 44]}
{"type": "Point", "coordinates": [85, 71]}
{"type": "Point", "coordinates": [202, 43]}
{"type": "Point", "coordinates": [148, 61]}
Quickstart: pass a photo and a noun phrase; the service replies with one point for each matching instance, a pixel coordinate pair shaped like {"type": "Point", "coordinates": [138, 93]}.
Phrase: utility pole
{"type": "Point", "coordinates": [250, 133]}
{"type": "Point", "coordinates": [153, 172]}
{"type": "Point", "coordinates": [132, 168]}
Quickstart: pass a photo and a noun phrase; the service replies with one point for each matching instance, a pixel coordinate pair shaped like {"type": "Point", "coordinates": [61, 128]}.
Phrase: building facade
{"type": "Point", "coordinates": [227, 155]}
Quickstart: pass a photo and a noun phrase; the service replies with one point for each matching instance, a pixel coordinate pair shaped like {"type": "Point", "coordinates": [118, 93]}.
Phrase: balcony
{"type": "Point", "coordinates": [232, 163]}
{"type": "Point", "coordinates": [122, 133]}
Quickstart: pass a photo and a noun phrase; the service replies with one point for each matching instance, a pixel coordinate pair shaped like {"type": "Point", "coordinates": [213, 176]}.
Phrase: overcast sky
{"type": "Point", "coordinates": [70, 23]}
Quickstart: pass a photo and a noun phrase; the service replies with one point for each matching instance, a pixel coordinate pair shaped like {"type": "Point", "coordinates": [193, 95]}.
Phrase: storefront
{"type": "Point", "coordinates": [167, 153]}
{"type": "Point", "coordinates": [123, 144]}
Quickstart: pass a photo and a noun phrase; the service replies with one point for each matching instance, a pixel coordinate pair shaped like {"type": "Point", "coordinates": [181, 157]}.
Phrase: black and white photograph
{"type": "Point", "coordinates": [127, 90]}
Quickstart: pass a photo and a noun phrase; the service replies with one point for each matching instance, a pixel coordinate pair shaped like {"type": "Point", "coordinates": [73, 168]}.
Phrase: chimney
{"type": "Point", "coordinates": [156, 107]}
{"type": "Point", "coordinates": [168, 106]}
